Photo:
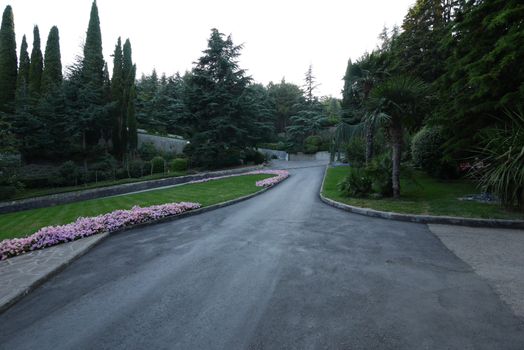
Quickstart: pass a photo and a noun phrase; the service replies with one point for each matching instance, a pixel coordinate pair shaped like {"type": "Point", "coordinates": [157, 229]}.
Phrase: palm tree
{"type": "Point", "coordinates": [397, 102]}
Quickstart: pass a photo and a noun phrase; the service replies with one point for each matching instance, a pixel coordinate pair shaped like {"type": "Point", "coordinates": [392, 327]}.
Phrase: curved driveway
{"type": "Point", "coordinates": [280, 271]}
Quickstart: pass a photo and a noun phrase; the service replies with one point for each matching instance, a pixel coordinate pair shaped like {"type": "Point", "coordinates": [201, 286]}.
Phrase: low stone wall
{"type": "Point", "coordinates": [309, 157]}
{"type": "Point", "coordinates": [163, 143]}
{"type": "Point", "coordinates": [281, 155]}
{"type": "Point", "coordinates": [69, 197]}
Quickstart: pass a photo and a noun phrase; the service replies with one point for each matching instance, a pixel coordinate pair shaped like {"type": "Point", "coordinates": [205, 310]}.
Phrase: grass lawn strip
{"type": "Point", "coordinates": [23, 223]}
{"type": "Point", "coordinates": [429, 197]}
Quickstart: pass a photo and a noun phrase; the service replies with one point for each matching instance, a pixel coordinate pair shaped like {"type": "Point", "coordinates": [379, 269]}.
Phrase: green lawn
{"type": "Point", "coordinates": [37, 192]}
{"type": "Point", "coordinates": [23, 223]}
{"type": "Point", "coordinates": [431, 196]}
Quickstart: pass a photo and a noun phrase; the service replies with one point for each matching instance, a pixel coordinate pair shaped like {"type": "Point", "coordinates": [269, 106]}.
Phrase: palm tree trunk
{"type": "Point", "coordinates": [396, 144]}
{"type": "Point", "coordinates": [369, 142]}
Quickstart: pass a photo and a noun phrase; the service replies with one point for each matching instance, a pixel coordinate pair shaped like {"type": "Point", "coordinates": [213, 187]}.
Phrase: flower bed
{"type": "Point", "coordinates": [114, 221]}
{"type": "Point", "coordinates": [84, 227]}
{"type": "Point", "coordinates": [280, 176]}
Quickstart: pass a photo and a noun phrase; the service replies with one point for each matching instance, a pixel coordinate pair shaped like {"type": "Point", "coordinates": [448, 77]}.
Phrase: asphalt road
{"type": "Point", "coordinates": [280, 271]}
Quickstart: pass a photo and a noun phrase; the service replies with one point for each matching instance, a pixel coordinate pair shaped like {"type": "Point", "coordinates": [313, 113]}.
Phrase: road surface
{"type": "Point", "coordinates": [279, 271]}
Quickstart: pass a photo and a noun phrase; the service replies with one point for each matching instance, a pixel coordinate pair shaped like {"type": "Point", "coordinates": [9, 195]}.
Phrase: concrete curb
{"type": "Point", "coordinates": [421, 219]}
{"type": "Point", "coordinates": [108, 191]}
{"type": "Point", "coordinates": [103, 236]}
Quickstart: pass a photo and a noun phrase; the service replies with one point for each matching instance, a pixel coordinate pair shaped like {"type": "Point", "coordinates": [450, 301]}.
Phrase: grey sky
{"type": "Point", "coordinates": [280, 37]}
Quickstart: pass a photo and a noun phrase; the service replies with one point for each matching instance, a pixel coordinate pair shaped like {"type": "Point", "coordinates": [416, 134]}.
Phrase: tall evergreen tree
{"type": "Point", "coordinates": [117, 96]}
{"type": "Point", "coordinates": [8, 61]}
{"type": "Point", "coordinates": [52, 73]}
{"type": "Point", "coordinates": [93, 63]}
{"type": "Point", "coordinates": [131, 121]}
{"type": "Point", "coordinates": [23, 71]}
{"type": "Point", "coordinates": [37, 65]}
{"type": "Point", "coordinates": [128, 79]}
{"type": "Point", "coordinates": [310, 85]}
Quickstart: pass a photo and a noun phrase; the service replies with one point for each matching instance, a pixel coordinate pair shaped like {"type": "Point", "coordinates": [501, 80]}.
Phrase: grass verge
{"type": "Point", "coordinates": [430, 197]}
{"type": "Point", "coordinates": [23, 223]}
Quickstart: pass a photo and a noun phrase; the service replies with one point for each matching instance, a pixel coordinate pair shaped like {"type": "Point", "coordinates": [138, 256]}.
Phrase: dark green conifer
{"type": "Point", "coordinates": [36, 67]}
{"type": "Point", "coordinates": [93, 64]}
{"type": "Point", "coordinates": [8, 61]}
{"type": "Point", "coordinates": [23, 70]}
{"type": "Point", "coordinates": [52, 74]}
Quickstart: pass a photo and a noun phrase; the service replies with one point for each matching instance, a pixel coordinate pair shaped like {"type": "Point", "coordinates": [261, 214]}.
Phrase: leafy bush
{"type": "Point", "coordinates": [379, 172]}
{"type": "Point", "coordinates": [427, 153]}
{"type": "Point", "coordinates": [7, 191]}
{"type": "Point", "coordinates": [356, 184]}
{"type": "Point", "coordinates": [259, 158]}
{"type": "Point", "coordinates": [158, 165]}
{"type": "Point", "coordinates": [503, 156]}
{"type": "Point", "coordinates": [312, 144]}
{"type": "Point", "coordinates": [148, 151]}
{"type": "Point", "coordinates": [37, 176]}
{"type": "Point", "coordinates": [136, 168]}
{"type": "Point", "coordinates": [356, 152]}
{"type": "Point", "coordinates": [179, 164]}
{"type": "Point", "coordinates": [68, 174]}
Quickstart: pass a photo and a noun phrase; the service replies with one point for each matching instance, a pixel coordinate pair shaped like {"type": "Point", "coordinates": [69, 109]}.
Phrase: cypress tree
{"type": "Point", "coordinates": [131, 121]}
{"type": "Point", "coordinates": [8, 61]}
{"type": "Point", "coordinates": [52, 74]}
{"type": "Point", "coordinates": [117, 97]}
{"type": "Point", "coordinates": [36, 67]}
{"type": "Point", "coordinates": [128, 74]}
{"type": "Point", "coordinates": [93, 64]}
{"type": "Point", "coordinates": [23, 70]}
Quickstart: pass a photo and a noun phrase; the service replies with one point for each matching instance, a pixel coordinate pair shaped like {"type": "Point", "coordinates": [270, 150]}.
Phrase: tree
{"type": "Point", "coordinates": [23, 71]}
{"type": "Point", "coordinates": [36, 68]}
{"type": "Point", "coordinates": [93, 62]}
{"type": "Point", "coordinates": [310, 85]}
{"type": "Point", "coordinates": [219, 125]}
{"type": "Point", "coordinates": [117, 96]}
{"type": "Point", "coordinates": [131, 121]}
{"type": "Point", "coordinates": [52, 73]}
{"type": "Point", "coordinates": [399, 100]}
{"type": "Point", "coordinates": [286, 99]}
{"type": "Point", "coordinates": [8, 62]}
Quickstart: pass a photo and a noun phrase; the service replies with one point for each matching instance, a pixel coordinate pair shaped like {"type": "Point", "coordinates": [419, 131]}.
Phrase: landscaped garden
{"type": "Point", "coordinates": [63, 223]}
{"type": "Point", "coordinates": [422, 194]}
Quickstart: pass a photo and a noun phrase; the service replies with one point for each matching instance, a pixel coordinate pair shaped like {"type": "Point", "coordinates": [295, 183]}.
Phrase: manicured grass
{"type": "Point", "coordinates": [430, 196]}
{"type": "Point", "coordinates": [23, 223]}
{"type": "Point", "coordinates": [37, 192]}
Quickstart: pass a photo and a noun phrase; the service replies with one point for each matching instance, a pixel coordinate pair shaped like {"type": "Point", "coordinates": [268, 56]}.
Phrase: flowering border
{"type": "Point", "coordinates": [87, 226]}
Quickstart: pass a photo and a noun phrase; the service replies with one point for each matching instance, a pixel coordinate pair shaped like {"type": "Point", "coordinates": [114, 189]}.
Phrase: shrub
{"type": "Point", "coordinates": [179, 164]}
{"type": "Point", "coordinates": [312, 144]}
{"type": "Point", "coordinates": [148, 151]}
{"type": "Point", "coordinates": [68, 174]}
{"type": "Point", "coordinates": [356, 184]}
{"type": "Point", "coordinates": [356, 151]}
{"type": "Point", "coordinates": [37, 176]}
{"type": "Point", "coordinates": [7, 191]}
{"type": "Point", "coordinates": [426, 151]}
{"type": "Point", "coordinates": [379, 172]}
{"type": "Point", "coordinates": [136, 168]}
{"type": "Point", "coordinates": [157, 165]}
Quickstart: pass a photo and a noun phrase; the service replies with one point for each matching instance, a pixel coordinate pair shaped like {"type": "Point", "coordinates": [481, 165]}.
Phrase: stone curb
{"type": "Point", "coordinates": [421, 219]}
{"type": "Point", "coordinates": [102, 236]}
{"type": "Point", "coordinates": [107, 191]}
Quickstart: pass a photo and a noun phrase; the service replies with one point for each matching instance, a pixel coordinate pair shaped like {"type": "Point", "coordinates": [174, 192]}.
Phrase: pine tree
{"type": "Point", "coordinates": [128, 74]}
{"type": "Point", "coordinates": [93, 64]}
{"type": "Point", "coordinates": [310, 85]}
{"type": "Point", "coordinates": [117, 98]}
{"type": "Point", "coordinates": [8, 61]}
{"type": "Point", "coordinates": [36, 68]}
{"type": "Point", "coordinates": [52, 73]}
{"type": "Point", "coordinates": [131, 121]}
{"type": "Point", "coordinates": [23, 71]}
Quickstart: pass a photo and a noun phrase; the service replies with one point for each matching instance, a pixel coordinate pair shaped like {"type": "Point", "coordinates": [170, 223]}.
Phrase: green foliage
{"type": "Point", "coordinates": [148, 151]}
{"type": "Point", "coordinates": [93, 60]}
{"type": "Point", "coordinates": [356, 152]}
{"type": "Point", "coordinates": [158, 165]}
{"type": "Point", "coordinates": [503, 156]}
{"type": "Point", "coordinates": [36, 67]}
{"type": "Point", "coordinates": [357, 183]}
{"type": "Point", "coordinates": [8, 61]}
{"type": "Point", "coordinates": [312, 144]}
{"type": "Point", "coordinates": [22, 83]}
{"type": "Point", "coordinates": [52, 72]}
{"type": "Point", "coordinates": [179, 164]}
{"type": "Point", "coordinates": [379, 170]}
{"type": "Point", "coordinates": [427, 153]}
{"type": "Point", "coordinates": [68, 174]}
{"type": "Point", "coordinates": [286, 99]}
{"type": "Point", "coordinates": [138, 169]}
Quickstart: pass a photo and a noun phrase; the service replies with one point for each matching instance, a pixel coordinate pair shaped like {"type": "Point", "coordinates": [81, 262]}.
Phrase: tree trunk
{"type": "Point", "coordinates": [396, 144]}
{"type": "Point", "coordinates": [369, 142]}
